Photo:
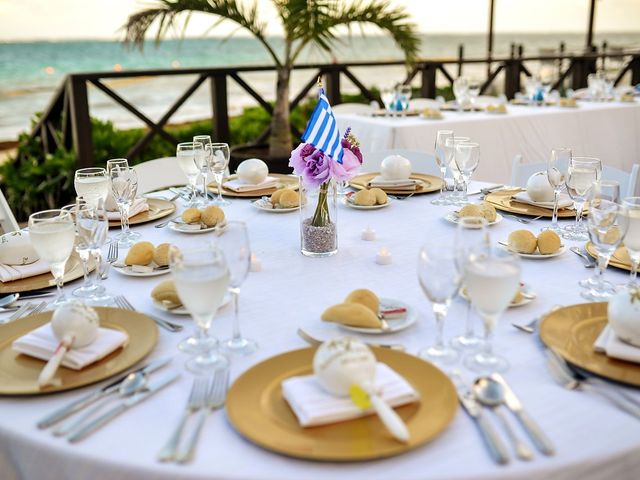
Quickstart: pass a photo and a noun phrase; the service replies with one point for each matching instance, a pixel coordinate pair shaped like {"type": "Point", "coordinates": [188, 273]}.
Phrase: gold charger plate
{"type": "Point", "coordinates": [258, 411]}
{"type": "Point", "coordinates": [283, 181]}
{"type": "Point", "coordinates": [571, 331]}
{"type": "Point", "coordinates": [429, 183]}
{"type": "Point", "coordinates": [501, 200]}
{"type": "Point", "coordinates": [73, 271]}
{"type": "Point", "coordinates": [19, 374]}
{"type": "Point", "coordinates": [158, 208]}
{"type": "Point", "coordinates": [618, 259]}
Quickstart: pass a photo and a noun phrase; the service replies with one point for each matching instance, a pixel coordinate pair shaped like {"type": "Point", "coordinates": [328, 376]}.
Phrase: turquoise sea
{"type": "Point", "coordinates": [30, 72]}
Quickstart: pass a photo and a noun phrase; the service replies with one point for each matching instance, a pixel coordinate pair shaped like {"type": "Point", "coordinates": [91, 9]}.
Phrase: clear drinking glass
{"type": "Point", "coordinates": [404, 96]}
{"type": "Point", "coordinates": [201, 277]}
{"type": "Point", "coordinates": [461, 91]}
{"type": "Point", "coordinates": [466, 157]}
{"type": "Point", "coordinates": [450, 144]}
{"type": "Point", "coordinates": [53, 235]}
{"type": "Point", "coordinates": [233, 240]}
{"type": "Point", "coordinates": [492, 278]}
{"type": "Point", "coordinates": [556, 173]}
{"type": "Point", "coordinates": [440, 155]}
{"type": "Point", "coordinates": [439, 279]}
{"type": "Point", "coordinates": [387, 95]}
{"type": "Point", "coordinates": [632, 238]}
{"type": "Point", "coordinates": [581, 174]}
{"type": "Point", "coordinates": [186, 155]}
{"type": "Point", "coordinates": [218, 156]}
{"type": "Point", "coordinates": [203, 164]}
{"type": "Point", "coordinates": [92, 184]}
{"type": "Point", "coordinates": [474, 91]}
{"type": "Point", "coordinates": [124, 186]}
{"type": "Point", "coordinates": [117, 163]}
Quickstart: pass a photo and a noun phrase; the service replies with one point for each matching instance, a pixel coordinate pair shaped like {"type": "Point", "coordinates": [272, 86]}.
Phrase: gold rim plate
{"type": "Point", "coordinates": [158, 208]}
{"type": "Point", "coordinates": [571, 331]}
{"type": "Point", "coordinates": [284, 181]}
{"type": "Point", "coordinates": [19, 374]}
{"type": "Point", "coordinates": [618, 259]}
{"type": "Point", "coordinates": [258, 411]}
{"type": "Point", "coordinates": [429, 183]}
{"type": "Point", "coordinates": [502, 200]}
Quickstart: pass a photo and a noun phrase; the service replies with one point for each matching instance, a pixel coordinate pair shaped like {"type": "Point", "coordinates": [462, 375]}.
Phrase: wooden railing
{"type": "Point", "coordinates": [66, 121]}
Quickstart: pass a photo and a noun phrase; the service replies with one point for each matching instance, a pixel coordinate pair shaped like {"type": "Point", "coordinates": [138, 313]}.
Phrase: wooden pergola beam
{"type": "Point", "coordinates": [592, 16]}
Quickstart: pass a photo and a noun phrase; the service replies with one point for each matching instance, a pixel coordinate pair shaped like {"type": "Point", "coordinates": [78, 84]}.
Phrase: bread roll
{"type": "Point", "coordinates": [364, 198]}
{"type": "Point", "coordinates": [364, 297]}
{"type": "Point", "coordinates": [161, 254]}
{"type": "Point", "coordinates": [165, 292]}
{"type": "Point", "coordinates": [275, 196]}
{"type": "Point", "coordinates": [140, 254]}
{"type": "Point", "coordinates": [212, 216]}
{"type": "Point", "coordinates": [470, 210]}
{"type": "Point", "coordinates": [191, 215]}
{"type": "Point", "coordinates": [354, 314]}
{"type": "Point", "coordinates": [289, 198]}
{"type": "Point", "coordinates": [381, 196]}
{"type": "Point", "coordinates": [522, 241]}
{"type": "Point", "coordinates": [548, 242]}
{"type": "Point", "coordinates": [488, 212]}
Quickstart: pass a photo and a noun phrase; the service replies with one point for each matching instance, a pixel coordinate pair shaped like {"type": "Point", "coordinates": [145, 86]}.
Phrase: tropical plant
{"type": "Point", "coordinates": [304, 23]}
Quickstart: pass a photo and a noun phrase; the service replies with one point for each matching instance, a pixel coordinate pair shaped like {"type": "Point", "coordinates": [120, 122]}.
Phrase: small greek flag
{"type": "Point", "coordinates": [322, 130]}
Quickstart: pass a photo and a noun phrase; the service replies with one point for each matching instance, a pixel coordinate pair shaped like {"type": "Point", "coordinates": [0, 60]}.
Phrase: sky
{"type": "Point", "coordinates": [79, 19]}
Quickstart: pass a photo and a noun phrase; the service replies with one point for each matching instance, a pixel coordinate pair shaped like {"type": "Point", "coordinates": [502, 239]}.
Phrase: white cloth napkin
{"type": "Point", "coordinates": [10, 273]}
{"type": "Point", "coordinates": [41, 343]}
{"type": "Point", "coordinates": [314, 406]}
{"type": "Point", "coordinates": [238, 185]}
{"type": "Point", "coordinates": [609, 344]}
{"type": "Point", "coordinates": [139, 205]}
{"type": "Point", "coordinates": [564, 200]}
{"type": "Point", "coordinates": [408, 184]}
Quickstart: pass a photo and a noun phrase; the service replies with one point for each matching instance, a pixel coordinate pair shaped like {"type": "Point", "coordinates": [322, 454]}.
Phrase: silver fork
{"type": "Point", "coordinates": [195, 402]}
{"type": "Point", "coordinates": [167, 222]}
{"type": "Point", "coordinates": [112, 256]}
{"type": "Point", "coordinates": [216, 396]}
{"type": "Point", "coordinates": [123, 303]}
{"type": "Point", "coordinates": [403, 197]}
{"type": "Point", "coordinates": [524, 221]}
{"type": "Point", "coordinates": [18, 313]}
{"type": "Point", "coordinates": [531, 326]}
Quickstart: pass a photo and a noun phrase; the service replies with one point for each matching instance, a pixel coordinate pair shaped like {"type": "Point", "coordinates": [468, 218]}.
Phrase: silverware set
{"type": "Point", "coordinates": [524, 221]}
{"type": "Point", "coordinates": [29, 308]}
{"type": "Point", "coordinates": [314, 342]}
{"type": "Point", "coordinates": [123, 303]}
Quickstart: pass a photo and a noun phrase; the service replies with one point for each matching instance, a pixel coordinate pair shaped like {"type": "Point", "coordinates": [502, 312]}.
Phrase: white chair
{"type": "Point", "coordinates": [421, 162]}
{"type": "Point", "coordinates": [159, 174]}
{"type": "Point", "coordinates": [422, 103]}
{"type": "Point", "coordinates": [352, 108]}
{"type": "Point", "coordinates": [8, 221]}
{"type": "Point", "coordinates": [521, 172]}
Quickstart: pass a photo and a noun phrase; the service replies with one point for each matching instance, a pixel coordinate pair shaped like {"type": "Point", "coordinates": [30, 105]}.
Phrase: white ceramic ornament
{"type": "Point", "coordinates": [16, 249]}
{"type": "Point", "coordinates": [395, 167]}
{"type": "Point", "coordinates": [539, 189]}
{"type": "Point", "coordinates": [252, 171]}
{"type": "Point", "coordinates": [623, 312]}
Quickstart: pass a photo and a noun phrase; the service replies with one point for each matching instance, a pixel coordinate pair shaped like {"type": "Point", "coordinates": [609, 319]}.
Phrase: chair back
{"type": "Point", "coordinates": [8, 221]}
{"type": "Point", "coordinates": [421, 162]}
{"type": "Point", "coordinates": [159, 174]}
{"type": "Point", "coordinates": [352, 108]}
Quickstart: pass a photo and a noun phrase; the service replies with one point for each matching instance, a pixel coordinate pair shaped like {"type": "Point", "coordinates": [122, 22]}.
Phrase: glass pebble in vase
{"type": "Point", "coordinates": [318, 219]}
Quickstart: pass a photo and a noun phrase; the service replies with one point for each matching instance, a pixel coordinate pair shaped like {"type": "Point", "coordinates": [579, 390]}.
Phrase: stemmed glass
{"type": "Point", "coordinates": [466, 157]}
{"type": "Point", "coordinates": [632, 239]}
{"type": "Point", "coordinates": [450, 144]}
{"type": "Point", "coordinates": [186, 154]}
{"type": "Point", "coordinates": [581, 174]}
{"type": "Point", "coordinates": [124, 185]}
{"type": "Point", "coordinates": [202, 277]}
{"type": "Point", "coordinates": [53, 235]}
{"type": "Point", "coordinates": [92, 184]}
{"type": "Point", "coordinates": [439, 279]}
{"type": "Point", "coordinates": [440, 155]}
{"type": "Point", "coordinates": [203, 164]}
{"type": "Point", "coordinates": [117, 163]}
{"type": "Point", "coordinates": [556, 171]}
{"type": "Point", "coordinates": [387, 95]}
{"type": "Point", "coordinates": [82, 248]}
{"type": "Point", "coordinates": [218, 156]}
{"type": "Point", "coordinates": [461, 91]}
{"type": "Point", "coordinates": [474, 91]}
{"type": "Point", "coordinates": [492, 278]}
{"type": "Point", "coordinates": [233, 240]}
{"type": "Point", "coordinates": [404, 95]}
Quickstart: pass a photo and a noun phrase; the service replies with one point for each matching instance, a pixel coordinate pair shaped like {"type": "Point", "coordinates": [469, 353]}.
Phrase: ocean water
{"type": "Point", "coordinates": [30, 72]}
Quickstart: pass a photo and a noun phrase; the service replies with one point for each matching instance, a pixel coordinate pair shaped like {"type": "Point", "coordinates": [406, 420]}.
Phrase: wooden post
{"type": "Point", "coordinates": [512, 70]}
{"type": "Point", "coordinates": [80, 121]}
{"type": "Point", "coordinates": [490, 36]}
{"type": "Point", "coordinates": [635, 70]}
{"type": "Point", "coordinates": [560, 60]}
{"type": "Point", "coordinates": [332, 86]}
{"type": "Point", "coordinates": [592, 15]}
{"type": "Point", "coordinates": [460, 58]}
{"type": "Point", "coordinates": [219, 108]}
{"type": "Point", "coordinates": [428, 74]}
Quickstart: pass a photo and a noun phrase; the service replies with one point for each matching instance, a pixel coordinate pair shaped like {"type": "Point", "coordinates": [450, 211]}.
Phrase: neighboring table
{"type": "Point", "coordinates": [609, 131]}
{"type": "Point", "coordinates": [593, 439]}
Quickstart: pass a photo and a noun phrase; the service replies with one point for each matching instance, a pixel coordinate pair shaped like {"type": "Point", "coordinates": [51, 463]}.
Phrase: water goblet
{"type": "Point", "coordinates": [474, 91]}
{"type": "Point", "coordinates": [581, 174]}
{"type": "Point", "coordinates": [461, 92]}
{"type": "Point", "coordinates": [92, 184]}
{"type": "Point", "coordinates": [218, 157]}
{"type": "Point", "coordinates": [441, 159]}
{"type": "Point", "coordinates": [466, 157]}
{"type": "Point", "coordinates": [203, 164]}
{"type": "Point", "coordinates": [117, 163]}
{"type": "Point", "coordinates": [387, 95]}
{"type": "Point", "coordinates": [186, 155]}
{"type": "Point", "coordinates": [556, 173]}
{"type": "Point", "coordinates": [124, 186]}
{"type": "Point", "coordinates": [632, 238]}
{"type": "Point", "coordinates": [403, 93]}
{"type": "Point", "coordinates": [450, 144]}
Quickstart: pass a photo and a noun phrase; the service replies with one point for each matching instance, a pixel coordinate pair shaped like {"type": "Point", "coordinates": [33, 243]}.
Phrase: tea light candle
{"type": "Point", "coordinates": [256, 264]}
{"type": "Point", "coordinates": [368, 234]}
{"type": "Point", "coordinates": [383, 257]}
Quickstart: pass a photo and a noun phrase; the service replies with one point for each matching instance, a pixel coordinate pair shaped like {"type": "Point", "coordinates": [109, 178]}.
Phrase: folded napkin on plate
{"type": "Point", "coordinates": [139, 205]}
{"type": "Point", "coordinates": [10, 273]}
{"type": "Point", "coordinates": [609, 344]}
{"type": "Point", "coordinates": [313, 406]}
{"type": "Point", "coordinates": [564, 200]}
{"type": "Point", "coordinates": [41, 343]}
{"type": "Point", "coordinates": [238, 185]}
{"type": "Point", "coordinates": [408, 184]}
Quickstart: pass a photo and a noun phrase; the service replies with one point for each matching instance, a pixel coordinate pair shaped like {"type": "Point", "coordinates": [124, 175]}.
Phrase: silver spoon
{"type": "Point", "coordinates": [491, 394]}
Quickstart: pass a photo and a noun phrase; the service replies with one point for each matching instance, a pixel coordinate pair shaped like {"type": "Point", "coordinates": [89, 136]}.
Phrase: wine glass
{"type": "Point", "coordinates": [124, 185]}
{"type": "Point", "coordinates": [581, 174]}
{"type": "Point", "coordinates": [556, 172]}
{"type": "Point", "coordinates": [450, 145]}
{"type": "Point", "coordinates": [632, 238]}
{"type": "Point", "coordinates": [607, 225]}
{"type": "Point", "coordinates": [203, 164]}
{"type": "Point", "coordinates": [466, 157]}
{"type": "Point", "coordinates": [201, 277]}
{"type": "Point", "coordinates": [218, 157]}
{"type": "Point", "coordinates": [53, 235]}
{"type": "Point", "coordinates": [186, 154]}
{"type": "Point", "coordinates": [233, 240]}
{"type": "Point", "coordinates": [474, 91]}
{"type": "Point", "coordinates": [441, 159]}
{"type": "Point", "coordinates": [92, 184]}
{"type": "Point", "coordinates": [439, 279]}
{"type": "Point", "coordinates": [117, 163]}
{"type": "Point", "coordinates": [492, 278]}
{"type": "Point", "coordinates": [461, 91]}
{"type": "Point", "coordinates": [404, 95]}
{"type": "Point", "coordinates": [472, 234]}
{"type": "Point", "coordinates": [387, 95]}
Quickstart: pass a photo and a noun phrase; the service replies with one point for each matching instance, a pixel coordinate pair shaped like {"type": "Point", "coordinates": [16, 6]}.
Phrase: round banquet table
{"type": "Point", "coordinates": [593, 439]}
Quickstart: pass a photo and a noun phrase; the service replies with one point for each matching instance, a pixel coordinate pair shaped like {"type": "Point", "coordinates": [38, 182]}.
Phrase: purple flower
{"type": "Point", "coordinates": [347, 145]}
{"type": "Point", "coordinates": [311, 164]}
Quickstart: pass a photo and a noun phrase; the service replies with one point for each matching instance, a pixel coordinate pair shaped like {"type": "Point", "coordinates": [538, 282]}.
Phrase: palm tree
{"type": "Point", "coordinates": [304, 23]}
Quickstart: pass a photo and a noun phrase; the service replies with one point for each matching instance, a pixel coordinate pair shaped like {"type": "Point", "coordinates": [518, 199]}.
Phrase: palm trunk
{"type": "Point", "coordinates": [280, 140]}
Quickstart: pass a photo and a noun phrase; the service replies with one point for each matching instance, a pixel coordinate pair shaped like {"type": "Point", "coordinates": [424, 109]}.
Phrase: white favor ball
{"type": "Point", "coordinates": [78, 320]}
{"type": "Point", "coordinates": [624, 315]}
{"type": "Point", "coordinates": [539, 188]}
{"type": "Point", "coordinates": [253, 171]}
{"type": "Point", "coordinates": [342, 362]}
{"type": "Point", "coordinates": [395, 167]}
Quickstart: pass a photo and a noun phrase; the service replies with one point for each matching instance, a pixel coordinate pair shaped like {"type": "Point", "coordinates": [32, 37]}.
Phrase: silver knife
{"type": "Point", "coordinates": [486, 190]}
{"type": "Point", "coordinates": [93, 425]}
{"type": "Point", "coordinates": [94, 396]}
{"type": "Point", "coordinates": [540, 440]}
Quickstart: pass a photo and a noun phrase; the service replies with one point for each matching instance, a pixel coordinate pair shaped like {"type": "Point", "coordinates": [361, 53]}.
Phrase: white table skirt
{"type": "Point", "coordinates": [593, 439]}
{"type": "Point", "coordinates": [609, 131]}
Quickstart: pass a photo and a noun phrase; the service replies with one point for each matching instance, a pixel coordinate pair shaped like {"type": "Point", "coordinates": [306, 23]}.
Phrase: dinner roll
{"type": "Point", "coordinates": [470, 210]}
{"type": "Point", "coordinates": [548, 242]}
{"type": "Point", "coordinates": [212, 216]}
{"type": "Point", "coordinates": [365, 198]}
{"type": "Point", "coordinates": [166, 293]}
{"type": "Point", "coordinates": [522, 241]}
{"type": "Point", "coordinates": [191, 215]}
{"type": "Point", "coordinates": [161, 254]}
{"type": "Point", "coordinates": [275, 196]}
{"type": "Point", "coordinates": [289, 198]}
{"type": "Point", "coordinates": [381, 196]}
{"type": "Point", "coordinates": [364, 297]}
{"type": "Point", "coordinates": [354, 314]}
{"type": "Point", "coordinates": [488, 212]}
{"type": "Point", "coordinates": [140, 254]}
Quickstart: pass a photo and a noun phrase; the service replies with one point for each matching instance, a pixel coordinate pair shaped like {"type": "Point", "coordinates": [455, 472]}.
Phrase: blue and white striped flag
{"type": "Point", "coordinates": [322, 130]}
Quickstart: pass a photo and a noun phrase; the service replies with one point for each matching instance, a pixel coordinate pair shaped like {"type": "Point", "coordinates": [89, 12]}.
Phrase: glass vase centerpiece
{"type": "Point", "coordinates": [319, 173]}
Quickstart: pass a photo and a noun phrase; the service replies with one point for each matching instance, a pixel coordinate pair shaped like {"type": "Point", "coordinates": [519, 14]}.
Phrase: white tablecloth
{"type": "Point", "coordinates": [593, 439]}
{"type": "Point", "coordinates": [609, 131]}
